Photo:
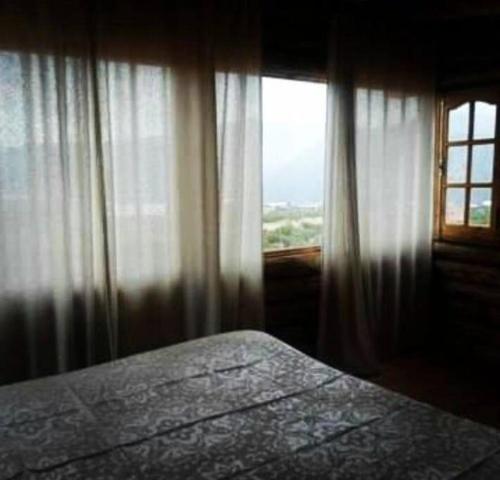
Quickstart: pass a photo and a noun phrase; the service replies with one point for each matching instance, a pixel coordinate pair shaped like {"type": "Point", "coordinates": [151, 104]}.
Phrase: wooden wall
{"type": "Point", "coordinates": [295, 39]}
{"type": "Point", "coordinates": [466, 299]}
{"type": "Point", "coordinates": [466, 279]}
{"type": "Point", "coordinates": [292, 296]}
{"type": "Point", "coordinates": [465, 307]}
{"type": "Point", "coordinates": [294, 46]}
{"type": "Point", "coordinates": [466, 288]}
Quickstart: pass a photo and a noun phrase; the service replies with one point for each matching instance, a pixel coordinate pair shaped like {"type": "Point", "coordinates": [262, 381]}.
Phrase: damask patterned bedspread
{"type": "Point", "coordinates": [234, 406]}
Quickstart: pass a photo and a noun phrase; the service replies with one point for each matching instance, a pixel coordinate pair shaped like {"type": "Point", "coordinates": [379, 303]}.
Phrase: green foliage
{"type": "Point", "coordinates": [292, 227]}
{"type": "Point", "coordinates": [291, 213]}
{"type": "Point", "coordinates": [480, 216]}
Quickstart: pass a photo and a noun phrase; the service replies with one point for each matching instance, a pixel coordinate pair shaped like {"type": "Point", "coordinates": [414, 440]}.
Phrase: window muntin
{"type": "Point", "coordinates": [469, 153]}
{"type": "Point", "coordinates": [294, 120]}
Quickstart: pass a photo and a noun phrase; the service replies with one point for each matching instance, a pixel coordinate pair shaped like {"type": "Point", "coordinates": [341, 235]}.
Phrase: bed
{"type": "Point", "coordinates": [241, 405]}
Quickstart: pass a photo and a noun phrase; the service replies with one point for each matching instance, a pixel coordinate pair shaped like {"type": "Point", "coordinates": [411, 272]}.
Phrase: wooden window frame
{"type": "Point", "coordinates": [270, 255]}
{"type": "Point", "coordinates": [466, 233]}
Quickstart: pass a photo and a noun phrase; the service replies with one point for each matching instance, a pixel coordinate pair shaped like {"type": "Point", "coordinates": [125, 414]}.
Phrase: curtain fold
{"type": "Point", "coordinates": [378, 212]}
{"type": "Point", "coordinates": [129, 179]}
{"type": "Point", "coordinates": [239, 124]}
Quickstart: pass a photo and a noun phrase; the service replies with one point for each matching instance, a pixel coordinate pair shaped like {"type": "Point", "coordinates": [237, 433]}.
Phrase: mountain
{"type": "Point", "coordinates": [293, 164]}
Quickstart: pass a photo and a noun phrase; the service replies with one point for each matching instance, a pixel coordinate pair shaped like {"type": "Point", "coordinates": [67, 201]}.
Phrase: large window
{"type": "Point", "coordinates": [294, 114]}
{"type": "Point", "coordinates": [469, 150]}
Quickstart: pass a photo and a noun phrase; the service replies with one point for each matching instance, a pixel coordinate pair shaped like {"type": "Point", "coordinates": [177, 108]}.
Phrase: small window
{"type": "Point", "coordinates": [294, 119]}
{"type": "Point", "coordinates": [468, 180]}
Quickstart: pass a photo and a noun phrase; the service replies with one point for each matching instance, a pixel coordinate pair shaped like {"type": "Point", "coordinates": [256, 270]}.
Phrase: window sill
{"type": "Point", "coordinates": [469, 235]}
{"type": "Point", "coordinates": [292, 252]}
{"type": "Point", "coordinates": [292, 263]}
{"type": "Point", "coordinates": [466, 252]}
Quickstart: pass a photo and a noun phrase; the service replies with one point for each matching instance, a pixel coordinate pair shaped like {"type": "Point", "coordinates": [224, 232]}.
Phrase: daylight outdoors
{"type": "Point", "coordinates": [480, 174]}
{"type": "Point", "coordinates": [294, 114]}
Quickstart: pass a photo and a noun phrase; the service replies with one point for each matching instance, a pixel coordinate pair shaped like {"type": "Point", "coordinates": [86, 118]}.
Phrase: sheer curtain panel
{"type": "Point", "coordinates": [129, 178]}
{"type": "Point", "coordinates": [378, 211]}
{"type": "Point", "coordinates": [239, 135]}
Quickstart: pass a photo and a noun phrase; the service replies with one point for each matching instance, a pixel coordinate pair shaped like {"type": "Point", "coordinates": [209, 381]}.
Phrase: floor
{"type": "Point", "coordinates": [467, 391]}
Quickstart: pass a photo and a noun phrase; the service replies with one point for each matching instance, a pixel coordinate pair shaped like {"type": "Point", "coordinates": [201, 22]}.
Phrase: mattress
{"type": "Point", "coordinates": [241, 405]}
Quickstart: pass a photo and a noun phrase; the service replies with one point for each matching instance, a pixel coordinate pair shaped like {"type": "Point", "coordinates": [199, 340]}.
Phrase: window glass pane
{"type": "Point", "coordinates": [456, 170]}
{"type": "Point", "coordinates": [480, 207]}
{"type": "Point", "coordinates": [455, 206]}
{"type": "Point", "coordinates": [294, 120]}
{"type": "Point", "coordinates": [482, 163]}
{"type": "Point", "coordinates": [484, 120]}
{"type": "Point", "coordinates": [458, 123]}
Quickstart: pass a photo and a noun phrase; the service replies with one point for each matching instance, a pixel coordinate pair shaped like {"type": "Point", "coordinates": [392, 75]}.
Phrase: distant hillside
{"type": "Point", "coordinates": [293, 166]}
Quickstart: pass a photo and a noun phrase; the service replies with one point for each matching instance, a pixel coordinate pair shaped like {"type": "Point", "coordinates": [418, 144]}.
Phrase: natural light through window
{"type": "Point", "coordinates": [294, 114]}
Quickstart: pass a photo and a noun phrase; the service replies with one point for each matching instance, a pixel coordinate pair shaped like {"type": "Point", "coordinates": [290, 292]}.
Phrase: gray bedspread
{"type": "Point", "coordinates": [234, 406]}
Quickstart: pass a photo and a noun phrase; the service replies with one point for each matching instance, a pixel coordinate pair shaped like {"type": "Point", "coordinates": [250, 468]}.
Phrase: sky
{"type": "Point", "coordinates": [294, 118]}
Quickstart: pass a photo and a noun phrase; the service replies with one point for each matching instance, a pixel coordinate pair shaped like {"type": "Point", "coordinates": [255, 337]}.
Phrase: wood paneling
{"type": "Point", "coordinates": [467, 277]}
{"type": "Point", "coordinates": [292, 296]}
{"type": "Point", "coordinates": [467, 301]}
{"type": "Point", "coordinates": [295, 39]}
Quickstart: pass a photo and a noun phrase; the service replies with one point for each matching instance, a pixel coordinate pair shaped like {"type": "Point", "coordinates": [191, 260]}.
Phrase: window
{"type": "Point", "coordinates": [294, 115]}
{"type": "Point", "coordinates": [469, 150]}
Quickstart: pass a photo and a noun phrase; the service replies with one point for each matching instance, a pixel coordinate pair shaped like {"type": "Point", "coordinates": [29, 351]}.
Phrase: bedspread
{"type": "Point", "coordinates": [241, 405]}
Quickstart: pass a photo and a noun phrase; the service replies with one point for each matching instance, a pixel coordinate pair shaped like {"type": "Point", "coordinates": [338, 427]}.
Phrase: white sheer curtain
{"type": "Point", "coordinates": [377, 238]}
{"type": "Point", "coordinates": [128, 214]}
{"type": "Point", "coordinates": [239, 128]}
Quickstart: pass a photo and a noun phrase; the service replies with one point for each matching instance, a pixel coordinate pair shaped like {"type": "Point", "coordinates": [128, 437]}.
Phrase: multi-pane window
{"type": "Point", "coordinates": [468, 174]}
